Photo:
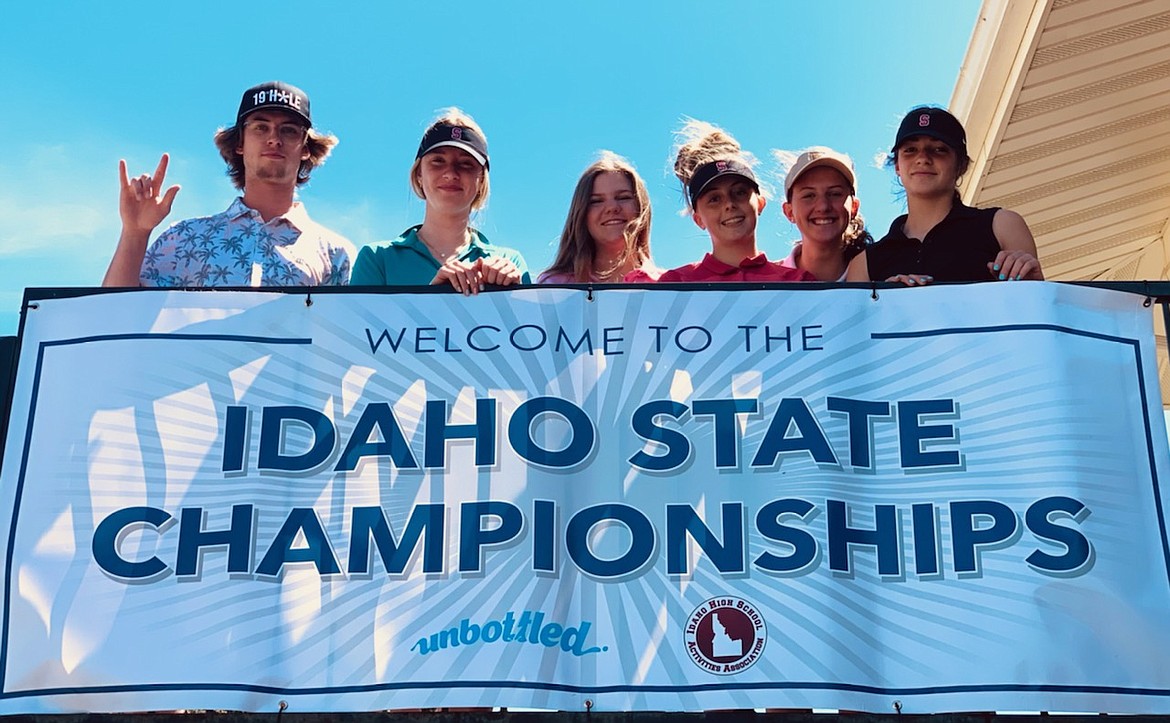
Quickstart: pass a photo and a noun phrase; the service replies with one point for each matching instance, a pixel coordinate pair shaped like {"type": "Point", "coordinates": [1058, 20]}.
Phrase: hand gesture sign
{"type": "Point", "coordinates": [142, 203]}
{"type": "Point", "coordinates": [142, 206]}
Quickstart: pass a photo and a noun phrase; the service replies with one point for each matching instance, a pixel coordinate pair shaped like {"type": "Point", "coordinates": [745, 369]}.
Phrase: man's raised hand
{"type": "Point", "coordinates": [142, 203]}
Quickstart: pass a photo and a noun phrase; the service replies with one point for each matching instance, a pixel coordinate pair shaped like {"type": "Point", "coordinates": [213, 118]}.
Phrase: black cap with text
{"type": "Point", "coordinates": [275, 95]}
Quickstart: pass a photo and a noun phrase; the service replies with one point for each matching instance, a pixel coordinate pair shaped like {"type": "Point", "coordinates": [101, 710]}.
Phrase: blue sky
{"type": "Point", "coordinates": [84, 84]}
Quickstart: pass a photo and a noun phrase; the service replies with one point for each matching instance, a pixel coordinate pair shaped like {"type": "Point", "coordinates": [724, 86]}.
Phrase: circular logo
{"type": "Point", "coordinates": [725, 635]}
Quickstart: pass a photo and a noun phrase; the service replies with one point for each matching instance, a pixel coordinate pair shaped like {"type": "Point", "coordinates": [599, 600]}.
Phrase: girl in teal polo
{"type": "Point", "coordinates": [450, 173]}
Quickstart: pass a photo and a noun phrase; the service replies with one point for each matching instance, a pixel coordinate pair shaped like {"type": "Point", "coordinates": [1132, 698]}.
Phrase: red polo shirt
{"type": "Point", "coordinates": [757, 268]}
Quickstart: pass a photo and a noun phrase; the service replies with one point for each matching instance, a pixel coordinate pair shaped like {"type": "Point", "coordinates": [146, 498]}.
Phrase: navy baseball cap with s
{"type": "Point", "coordinates": [935, 123]}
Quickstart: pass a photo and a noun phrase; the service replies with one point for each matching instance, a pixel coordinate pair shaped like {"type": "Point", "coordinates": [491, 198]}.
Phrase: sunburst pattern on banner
{"type": "Point", "coordinates": [1040, 387]}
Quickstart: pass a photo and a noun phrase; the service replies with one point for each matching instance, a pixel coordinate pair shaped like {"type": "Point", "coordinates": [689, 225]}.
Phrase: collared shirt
{"type": "Point", "coordinates": [238, 248]}
{"type": "Point", "coordinates": [958, 248]}
{"type": "Point", "coordinates": [406, 261]}
{"type": "Point", "coordinates": [758, 268]}
{"type": "Point", "coordinates": [792, 261]}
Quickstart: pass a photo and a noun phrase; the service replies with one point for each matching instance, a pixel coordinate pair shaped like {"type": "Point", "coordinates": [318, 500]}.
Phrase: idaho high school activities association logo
{"type": "Point", "coordinates": [725, 635]}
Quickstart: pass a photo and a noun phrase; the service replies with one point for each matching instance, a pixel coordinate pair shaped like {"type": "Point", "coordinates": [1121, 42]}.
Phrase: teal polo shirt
{"type": "Point", "coordinates": [406, 261]}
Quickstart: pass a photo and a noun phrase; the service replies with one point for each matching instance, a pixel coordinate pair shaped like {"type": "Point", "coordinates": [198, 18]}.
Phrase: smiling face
{"type": "Point", "coordinates": [927, 167]}
{"type": "Point", "coordinates": [728, 210]}
{"type": "Point", "coordinates": [449, 178]}
{"type": "Point", "coordinates": [272, 144]}
{"type": "Point", "coordinates": [821, 205]}
{"type": "Point", "coordinates": [613, 204]}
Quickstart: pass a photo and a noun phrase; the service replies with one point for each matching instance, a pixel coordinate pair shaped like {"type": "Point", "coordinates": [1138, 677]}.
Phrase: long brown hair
{"type": "Point", "coordinates": [577, 251]}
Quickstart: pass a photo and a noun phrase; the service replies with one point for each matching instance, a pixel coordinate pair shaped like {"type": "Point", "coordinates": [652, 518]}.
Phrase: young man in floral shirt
{"type": "Point", "coordinates": [265, 238]}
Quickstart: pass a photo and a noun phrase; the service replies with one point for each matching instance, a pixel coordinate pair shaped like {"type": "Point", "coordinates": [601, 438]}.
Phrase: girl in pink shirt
{"type": "Point", "coordinates": [606, 238]}
{"type": "Point", "coordinates": [725, 200]}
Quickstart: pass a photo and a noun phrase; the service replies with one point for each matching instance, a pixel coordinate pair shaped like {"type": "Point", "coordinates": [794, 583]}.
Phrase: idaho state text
{"type": "Point", "coordinates": [792, 429]}
{"type": "Point", "coordinates": [953, 532]}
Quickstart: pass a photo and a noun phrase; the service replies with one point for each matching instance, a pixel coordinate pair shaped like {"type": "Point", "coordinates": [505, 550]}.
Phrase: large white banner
{"type": "Point", "coordinates": [937, 499]}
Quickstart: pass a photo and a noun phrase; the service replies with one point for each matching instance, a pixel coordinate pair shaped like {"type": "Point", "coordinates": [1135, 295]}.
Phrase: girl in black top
{"type": "Point", "coordinates": [939, 238]}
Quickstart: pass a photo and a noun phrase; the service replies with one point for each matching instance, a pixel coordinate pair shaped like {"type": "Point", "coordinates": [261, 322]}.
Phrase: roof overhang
{"type": "Point", "coordinates": [1067, 109]}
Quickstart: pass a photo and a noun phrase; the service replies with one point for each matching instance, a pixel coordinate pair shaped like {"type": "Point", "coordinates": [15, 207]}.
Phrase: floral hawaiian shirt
{"type": "Point", "coordinates": [237, 248]}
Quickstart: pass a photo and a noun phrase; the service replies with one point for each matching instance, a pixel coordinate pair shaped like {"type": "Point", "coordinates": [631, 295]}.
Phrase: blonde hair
{"type": "Point", "coordinates": [229, 142]}
{"type": "Point", "coordinates": [577, 251]}
{"type": "Point", "coordinates": [699, 142]}
{"type": "Point", "coordinates": [456, 117]}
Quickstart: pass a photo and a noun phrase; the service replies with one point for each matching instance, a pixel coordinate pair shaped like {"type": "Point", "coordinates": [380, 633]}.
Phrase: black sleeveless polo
{"type": "Point", "coordinates": [958, 248]}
